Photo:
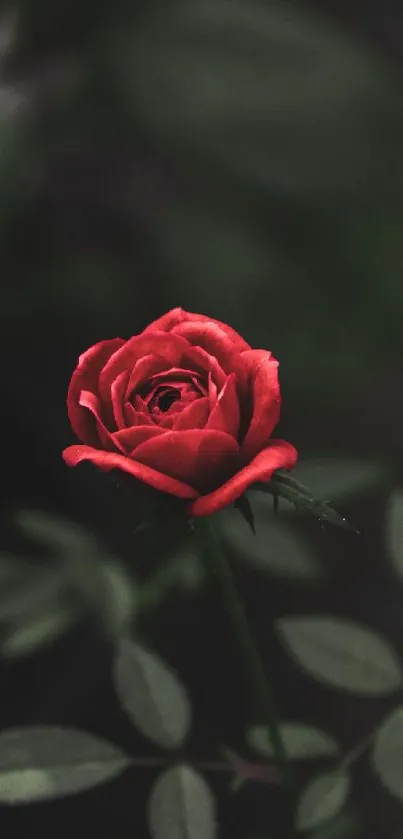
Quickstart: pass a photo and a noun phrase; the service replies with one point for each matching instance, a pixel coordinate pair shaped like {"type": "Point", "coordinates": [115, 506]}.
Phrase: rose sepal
{"type": "Point", "coordinates": [282, 485]}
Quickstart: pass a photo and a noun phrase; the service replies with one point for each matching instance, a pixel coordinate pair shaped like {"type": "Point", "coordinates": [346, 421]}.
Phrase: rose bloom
{"type": "Point", "coordinates": [186, 406]}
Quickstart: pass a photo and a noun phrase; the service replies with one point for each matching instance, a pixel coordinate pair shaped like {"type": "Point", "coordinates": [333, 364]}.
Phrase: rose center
{"type": "Point", "coordinates": [164, 397]}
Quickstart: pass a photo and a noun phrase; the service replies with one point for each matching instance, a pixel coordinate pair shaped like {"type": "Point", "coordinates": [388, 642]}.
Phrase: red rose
{"type": "Point", "coordinates": [186, 406]}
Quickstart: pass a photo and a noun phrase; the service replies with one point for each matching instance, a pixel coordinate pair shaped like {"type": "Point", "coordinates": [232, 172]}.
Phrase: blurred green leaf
{"type": "Point", "coordinates": [300, 741]}
{"type": "Point", "coordinates": [45, 762]}
{"type": "Point", "coordinates": [277, 547]}
{"type": "Point", "coordinates": [342, 653]}
{"type": "Point", "coordinates": [30, 636]}
{"type": "Point", "coordinates": [60, 535]}
{"type": "Point", "coordinates": [152, 696]}
{"type": "Point", "coordinates": [84, 567]}
{"type": "Point", "coordinates": [322, 799]}
{"type": "Point", "coordinates": [181, 806]}
{"type": "Point", "coordinates": [120, 598]}
{"type": "Point", "coordinates": [27, 591]}
{"type": "Point", "coordinates": [387, 754]}
{"type": "Point", "coordinates": [346, 825]}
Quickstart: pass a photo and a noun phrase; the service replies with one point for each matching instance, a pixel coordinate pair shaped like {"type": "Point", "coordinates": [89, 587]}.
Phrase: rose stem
{"type": "Point", "coordinates": [254, 671]}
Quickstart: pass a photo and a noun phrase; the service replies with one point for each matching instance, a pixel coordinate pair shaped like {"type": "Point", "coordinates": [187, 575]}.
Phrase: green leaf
{"type": "Point", "coordinates": [275, 548]}
{"type": "Point", "coordinates": [25, 589]}
{"type": "Point", "coordinates": [152, 696]}
{"type": "Point", "coordinates": [342, 653]}
{"type": "Point", "coordinates": [301, 742]}
{"type": "Point", "coordinates": [346, 825]}
{"type": "Point", "coordinates": [45, 762]}
{"type": "Point", "coordinates": [62, 536]}
{"type": "Point", "coordinates": [120, 599]}
{"type": "Point", "coordinates": [75, 548]}
{"type": "Point", "coordinates": [181, 806]}
{"type": "Point", "coordinates": [387, 754]}
{"type": "Point", "coordinates": [322, 799]}
{"type": "Point", "coordinates": [41, 631]}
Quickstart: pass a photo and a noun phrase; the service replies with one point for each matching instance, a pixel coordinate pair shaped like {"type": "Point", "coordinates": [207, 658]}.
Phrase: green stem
{"type": "Point", "coordinates": [254, 671]}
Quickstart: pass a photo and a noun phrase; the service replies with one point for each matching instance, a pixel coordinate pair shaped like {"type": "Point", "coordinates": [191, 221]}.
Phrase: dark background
{"type": "Point", "coordinates": [239, 159]}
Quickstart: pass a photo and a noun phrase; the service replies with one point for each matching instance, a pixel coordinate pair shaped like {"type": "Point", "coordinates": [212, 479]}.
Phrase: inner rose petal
{"type": "Point", "coordinates": [143, 370]}
{"type": "Point", "coordinates": [178, 374]}
{"type": "Point", "coordinates": [135, 416]}
{"type": "Point", "coordinates": [205, 365]}
{"type": "Point", "coordinates": [225, 415]}
{"type": "Point", "coordinates": [167, 399]}
{"type": "Point", "coordinates": [194, 415]}
{"type": "Point", "coordinates": [158, 344]}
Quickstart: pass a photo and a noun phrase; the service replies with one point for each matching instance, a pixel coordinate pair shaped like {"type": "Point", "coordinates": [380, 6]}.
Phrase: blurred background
{"type": "Point", "coordinates": [237, 158]}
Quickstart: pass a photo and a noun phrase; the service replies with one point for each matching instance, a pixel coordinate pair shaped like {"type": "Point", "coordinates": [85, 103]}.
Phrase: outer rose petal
{"type": "Point", "coordinates": [197, 457]}
{"type": "Point", "coordinates": [265, 400]}
{"type": "Point", "coordinates": [210, 337]}
{"type": "Point", "coordinates": [171, 319]}
{"type": "Point", "coordinates": [278, 455]}
{"type": "Point", "coordinates": [118, 390]}
{"type": "Point", "coordinates": [104, 436]}
{"type": "Point", "coordinates": [85, 377]}
{"type": "Point", "coordinates": [74, 455]}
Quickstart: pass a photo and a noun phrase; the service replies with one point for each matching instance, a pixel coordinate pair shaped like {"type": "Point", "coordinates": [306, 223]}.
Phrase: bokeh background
{"type": "Point", "coordinates": [242, 159]}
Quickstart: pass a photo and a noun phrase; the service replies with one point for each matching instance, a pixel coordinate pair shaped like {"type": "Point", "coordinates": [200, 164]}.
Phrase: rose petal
{"type": "Point", "coordinates": [143, 370]}
{"type": "Point", "coordinates": [112, 460]}
{"type": "Point", "coordinates": [92, 404]}
{"type": "Point", "coordinates": [129, 438]}
{"type": "Point", "coordinates": [176, 316]}
{"type": "Point", "coordinates": [212, 391]}
{"type": "Point", "coordinates": [211, 337]}
{"type": "Point", "coordinates": [205, 365]}
{"type": "Point", "coordinates": [265, 400]}
{"type": "Point", "coordinates": [85, 377]}
{"type": "Point", "coordinates": [278, 455]}
{"type": "Point", "coordinates": [177, 376]}
{"type": "Point", "coordinates": [225, 414]}
{"type": "Point", "coordinates": [194, 415]}
{"type": "Point", "coordinates": [118, 390]}
{"type": "Point", "coordinates": [136, 417]}
{"type": "Point", "coordinates": [167, 422]}
{"type": "Point", "coordinates": [197, 457]}
{"type": "Point", "coordinates": [167, 346]}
